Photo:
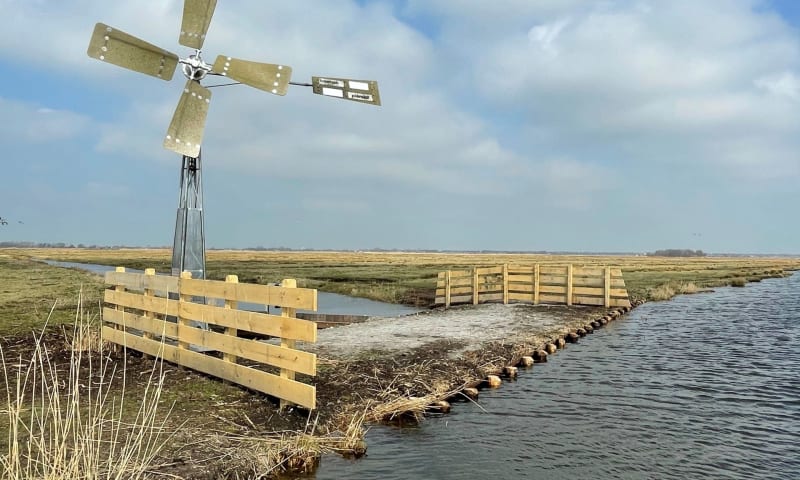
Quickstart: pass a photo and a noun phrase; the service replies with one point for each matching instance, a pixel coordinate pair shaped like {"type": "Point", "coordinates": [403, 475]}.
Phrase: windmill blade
{"type": "Point", "coordinates": [185, 133]}
{"type": "Point", "coordinates": [364, 91]}
{"type": "Point", "coordinates": [264, 76]}
{"type": "Point", "coordinates": [117, 47]}
{"type": "Point", "coordinates": [196, 19]}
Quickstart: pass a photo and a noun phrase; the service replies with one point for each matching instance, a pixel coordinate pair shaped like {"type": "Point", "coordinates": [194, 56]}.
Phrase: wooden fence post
{"type": "Point", "coordinates": [536, 284]}
{"type": "Point", "coordinates": [569, 284]}
{"type": "Point", "coordinates": [231, 304]}
{"type": "Point", "coordinates": [505, 283]}
{"type": "Point", "coordinates": [148, 292]}
{"type": "Point", "coordinates": [475, 289]}
{"type": "Point", "coordinates": [119, 288]}
{"type": "Point", "coordinates": [286, 343]}
{"type": "Point", "coordinates": [183, 322]}
{"type": "Point", "coordinates": [607, 288]}
{"type": "Point", "coordinates": [447, 290]}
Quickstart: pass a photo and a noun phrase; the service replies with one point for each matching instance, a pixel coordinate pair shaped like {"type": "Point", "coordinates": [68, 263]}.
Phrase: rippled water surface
{"type": "Point", "coordinates": [703, 386]}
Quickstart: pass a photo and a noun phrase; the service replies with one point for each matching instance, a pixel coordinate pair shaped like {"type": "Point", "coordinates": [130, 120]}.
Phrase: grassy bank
{"type": "Point", "coordinates": [410, 277]}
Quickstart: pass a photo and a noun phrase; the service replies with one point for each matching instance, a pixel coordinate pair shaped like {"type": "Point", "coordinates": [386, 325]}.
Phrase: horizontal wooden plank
{"type": "Point", "coordinates": [140, 281]}
{"type": "Point", "coordinates": [139, 322]}
{"type": "Point", "coordinates": [553, 289]}
{"type": "Point", "coordinates": [620, 303]}
{"type": "Point", "coordinates": [491, 297]}
{"type": "Point", "coordinates": [461, 299]}
{"type": "Point", "coordinates": [591, 291]}
{"type": "Point", "coordinates": [454, 300]}
{"type": "Point", "coordinates": [551, 270]}
{"type": "Point", "coordinates": [290, 390]}
{"type": "Point", "coordinates": [520, 270]}
{"type": "Point", "coordinates": [581, 300]}
{"type": "Point", "coordinates": [460, 274]}
{"type": "Point", "coordinates": [302, 298]}
{"type": "Point", "coordinates": [255, 322]}
{"type": "Point", "coordinates": [596, 282]}
{"type": "Point", "coordinates": [520, 287]}
{"type": "Point", "coordinates": [553, 279]}
{"type": "Point", "coordinates": [440, 292]}
{"type": "Point", "coordinates": [589, 272]}
{"type": "Point", "coordinates": [461, 282]}
{"type": "Point", "coordinates": [275, 355]}
{"type": "Point", "coordinates": [520, 278]}
{"type": "Point", "coordinates": [490, 288]}
{"type": "Point", "coordinates": [520, 297]}
{"type": "Point", "coordinates": [551, 298]}
{"type": "Point", "coordinates": [159, 305]}
{"type": "Point", "coordinates": [490, 271]}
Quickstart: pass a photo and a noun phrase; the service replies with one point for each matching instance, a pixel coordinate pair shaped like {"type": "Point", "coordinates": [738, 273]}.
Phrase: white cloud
{"type": "Point", "coordinates": [652, 75]}
{"type": "Point", "coordinates": [25, 122]}
{"type": "Point", "coordinates": [785, 84]}
{"type": "Point", "coordinates": [545, 35]}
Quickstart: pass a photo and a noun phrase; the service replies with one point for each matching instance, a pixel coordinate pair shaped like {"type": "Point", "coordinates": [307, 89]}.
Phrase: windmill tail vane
{"type": "Point", "coordinates": [185, 132]}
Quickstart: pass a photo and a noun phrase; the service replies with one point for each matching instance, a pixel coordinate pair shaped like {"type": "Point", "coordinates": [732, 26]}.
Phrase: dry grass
{"type": "Point", "coordinates": [666, 291]}
{"type": "Point", "coordinates": [249, 457]}
{"type": "Point", "coordinates": [66, 425]}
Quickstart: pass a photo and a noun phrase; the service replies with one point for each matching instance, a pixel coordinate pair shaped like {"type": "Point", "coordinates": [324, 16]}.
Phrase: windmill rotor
{"type": "Point", "coordinates": [185, 132]}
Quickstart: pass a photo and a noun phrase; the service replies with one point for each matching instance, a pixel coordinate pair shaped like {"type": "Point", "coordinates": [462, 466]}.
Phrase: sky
{"type": "Point", "coordinates": [557, 125]}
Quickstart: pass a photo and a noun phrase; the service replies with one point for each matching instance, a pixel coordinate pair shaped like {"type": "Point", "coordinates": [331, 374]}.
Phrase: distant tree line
{"type": "Point", "coordinates": [676, 252]}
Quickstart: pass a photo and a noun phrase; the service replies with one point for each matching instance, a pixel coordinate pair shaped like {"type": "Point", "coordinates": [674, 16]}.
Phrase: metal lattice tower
{"type": "Point", "coordinates": [185, 132]}
{"type": "Point", "coordinates": [189, 246]}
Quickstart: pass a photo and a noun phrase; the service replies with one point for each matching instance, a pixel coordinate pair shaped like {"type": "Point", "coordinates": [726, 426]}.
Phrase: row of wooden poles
{"type": "Point", "coordinates": [539, 355]}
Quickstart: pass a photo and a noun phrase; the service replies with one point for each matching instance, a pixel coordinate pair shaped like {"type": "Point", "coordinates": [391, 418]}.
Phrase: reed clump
{"type": "Point", "coordinates": [259, 457]}
{"type": "Point", "coordinates": [66, 423]}
{"type": "Point", "coordinates": [665, 291]}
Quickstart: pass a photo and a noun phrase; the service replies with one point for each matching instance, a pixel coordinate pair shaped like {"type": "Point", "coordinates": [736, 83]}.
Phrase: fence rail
{"type": "Point", "coordinates": [182, 320]}
{"type": "Point", "coordinates": [569, 285]}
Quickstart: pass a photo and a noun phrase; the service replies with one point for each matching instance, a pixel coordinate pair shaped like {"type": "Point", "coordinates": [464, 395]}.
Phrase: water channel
{"type": "Point", "coordinates": [330, 303]}
{"type": "Point", "coordinates": [703, 386]}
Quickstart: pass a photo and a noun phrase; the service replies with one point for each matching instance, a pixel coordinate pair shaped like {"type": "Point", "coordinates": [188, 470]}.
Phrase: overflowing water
{"type": "Point", "coordinates": [703, 386]}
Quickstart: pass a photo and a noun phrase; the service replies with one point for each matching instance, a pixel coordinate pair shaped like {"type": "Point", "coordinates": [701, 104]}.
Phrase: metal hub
{"type": "Point", "coordinates": [194, 68]}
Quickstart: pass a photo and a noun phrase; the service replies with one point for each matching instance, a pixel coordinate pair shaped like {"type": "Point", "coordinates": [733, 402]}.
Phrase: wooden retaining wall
{"type": "Point", "coordinates": [161, 316]}
{"type": "Point", "coordinates": [568, 285]}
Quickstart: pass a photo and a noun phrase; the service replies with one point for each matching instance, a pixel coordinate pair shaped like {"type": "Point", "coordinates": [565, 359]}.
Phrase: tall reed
{"type": "Point", "coordinates": [67, 422]}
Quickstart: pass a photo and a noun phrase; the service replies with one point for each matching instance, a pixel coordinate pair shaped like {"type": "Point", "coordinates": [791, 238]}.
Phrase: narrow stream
{"type": "Point", "coordinates": [330, 303]}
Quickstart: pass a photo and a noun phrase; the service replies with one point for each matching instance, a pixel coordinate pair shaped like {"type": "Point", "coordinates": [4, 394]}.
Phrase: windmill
{"type": "Point", "coordinates": [185, 133]}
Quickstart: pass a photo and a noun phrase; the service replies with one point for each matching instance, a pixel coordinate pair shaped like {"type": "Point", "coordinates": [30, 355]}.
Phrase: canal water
{"type": "Point", "coordinates": [702, 386]}
{"type": "Point", "coordinates": [329, 303]}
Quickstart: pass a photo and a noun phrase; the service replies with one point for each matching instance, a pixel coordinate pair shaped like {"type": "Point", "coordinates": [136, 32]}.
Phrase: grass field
{"type": "Point", "coordinates": [410, 277]}
{"type": "Point", "coordinates": [33, 293]}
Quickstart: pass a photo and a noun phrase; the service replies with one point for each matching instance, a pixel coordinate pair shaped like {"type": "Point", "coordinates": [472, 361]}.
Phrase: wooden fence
{"type": "Point", "coordinates": [570, 285]}
{"type": "Point", "coordinates": [159, 316]}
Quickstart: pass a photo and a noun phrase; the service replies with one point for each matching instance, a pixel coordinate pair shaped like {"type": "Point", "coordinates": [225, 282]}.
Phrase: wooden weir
{"type": "Point", "coordinates": [569, 285]}
{"type": "Point", "coordinates": [156, 315]}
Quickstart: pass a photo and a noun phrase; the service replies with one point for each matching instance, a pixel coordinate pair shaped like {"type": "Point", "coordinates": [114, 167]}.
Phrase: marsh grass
{"type": "Point", "coordinates": [410, 278]}
{"type": "Point", "coordinates": [68, 424]}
